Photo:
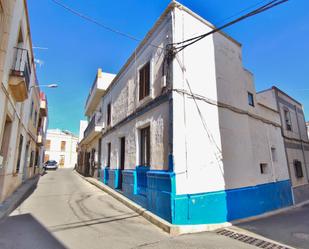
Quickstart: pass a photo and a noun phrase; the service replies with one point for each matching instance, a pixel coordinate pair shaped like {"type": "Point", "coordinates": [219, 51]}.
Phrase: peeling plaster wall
{"type": "Point", "coordinates": [124, 98]}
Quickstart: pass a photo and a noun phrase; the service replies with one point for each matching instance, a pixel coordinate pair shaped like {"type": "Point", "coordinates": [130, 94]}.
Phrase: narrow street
{"type": "Point", "coordinates": [67, 212]}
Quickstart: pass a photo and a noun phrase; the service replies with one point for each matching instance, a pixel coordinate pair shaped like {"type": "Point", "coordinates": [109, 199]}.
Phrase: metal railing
{"type": "Point", "coordinates": [96, 120]}
{"type": "Point", "coordinates": [21, 65]}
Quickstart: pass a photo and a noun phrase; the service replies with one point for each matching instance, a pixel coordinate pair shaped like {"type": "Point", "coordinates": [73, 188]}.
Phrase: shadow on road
{"type": "Point", "coordinates": [24, 231]}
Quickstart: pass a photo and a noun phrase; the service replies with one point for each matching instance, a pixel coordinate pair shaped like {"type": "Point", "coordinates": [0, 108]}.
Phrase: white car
{"type": "Point", "coordinates": [51, 164]}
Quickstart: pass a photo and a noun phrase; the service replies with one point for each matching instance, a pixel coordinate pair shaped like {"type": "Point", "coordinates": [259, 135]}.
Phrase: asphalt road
{"type": "Point", "coordinates": [67, 212]}
{"type": "Point", "coordinates": [290, 227]}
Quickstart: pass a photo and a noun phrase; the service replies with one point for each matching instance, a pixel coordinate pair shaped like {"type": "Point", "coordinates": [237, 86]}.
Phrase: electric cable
{"type": "Point", "coordinates": [195, 39]}
{"type": "Point", "coordinates": [89, 19]}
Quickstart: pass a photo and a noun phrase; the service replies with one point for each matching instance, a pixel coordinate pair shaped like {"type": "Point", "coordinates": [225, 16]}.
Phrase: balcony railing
{"type": "Point", "coordinates": [96, 120]}
{"type": "Point", "coordinates": [21, 65]}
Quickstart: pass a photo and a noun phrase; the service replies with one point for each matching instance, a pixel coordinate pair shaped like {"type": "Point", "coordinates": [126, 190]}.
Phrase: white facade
{"type": "Point", "coordinates": [61, 146]}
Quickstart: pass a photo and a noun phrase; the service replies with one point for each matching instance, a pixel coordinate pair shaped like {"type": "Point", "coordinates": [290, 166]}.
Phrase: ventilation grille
{"type": "Point", "coordinates": [250, 240]}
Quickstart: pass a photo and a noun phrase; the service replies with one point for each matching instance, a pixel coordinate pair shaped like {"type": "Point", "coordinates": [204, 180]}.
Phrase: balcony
{"type": "Point", "coordinates": [99, 86]}
{"type": "Point", "coordinates": [94, 127]}
{"type": "Point", "coordinates": [43, 104]}
{"type": "Point", "coordinates": [19, 79]}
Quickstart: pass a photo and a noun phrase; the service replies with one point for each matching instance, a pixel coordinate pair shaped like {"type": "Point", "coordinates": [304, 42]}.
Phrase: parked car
{"type": "Point", "coordinates": [51, 164]}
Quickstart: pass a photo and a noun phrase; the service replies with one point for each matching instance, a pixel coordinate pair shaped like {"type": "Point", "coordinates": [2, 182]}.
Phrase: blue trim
{"type": "Point", "coordinates": [113, 181]}
{"type": "Point", "coordinates": [129, 186]}
{"type": "Point", "coordinates": [141, 174]}
{"type": "Point", "coordinates": [104, 175]}
{"type": "Point", "coordinates": [156, 191]}
{"type": "Point", "coordinates": [228, 205]}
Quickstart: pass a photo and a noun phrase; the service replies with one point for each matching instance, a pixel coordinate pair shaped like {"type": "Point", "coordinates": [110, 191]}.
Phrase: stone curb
{"type": "Point", "coordinates": [17, 197]}
{"type": "Point", "coordinates": [154, 219]}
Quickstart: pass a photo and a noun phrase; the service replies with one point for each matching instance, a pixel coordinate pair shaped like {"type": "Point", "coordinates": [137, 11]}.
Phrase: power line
{"type": "Point", "coordinates": [242, 11]}
{"type": "Point", "coordinates": [89, 19]}
{"type": "Point", "coordinates": [259, 10]}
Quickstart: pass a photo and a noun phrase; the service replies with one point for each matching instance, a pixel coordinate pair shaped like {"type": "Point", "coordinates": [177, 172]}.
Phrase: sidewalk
{"type": "Point", "coordinates": [17, 197]}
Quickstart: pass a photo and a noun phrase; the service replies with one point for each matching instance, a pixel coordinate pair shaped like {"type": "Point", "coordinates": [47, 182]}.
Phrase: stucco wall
{"type": "Point", "coordinates": [216, 148]}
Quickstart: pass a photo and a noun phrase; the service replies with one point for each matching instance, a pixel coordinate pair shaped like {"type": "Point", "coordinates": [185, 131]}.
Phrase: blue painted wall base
{"type": "Point", "coordinates": [104, 175]}
{"type": "Point", "coordinates": [155, 191]}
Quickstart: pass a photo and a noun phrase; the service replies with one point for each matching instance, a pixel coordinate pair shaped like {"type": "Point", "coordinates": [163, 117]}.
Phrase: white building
{"type": "Point", "coordinates": [23, 108]}
{"type": "Point", "coordinates": [184, 134]}
{"type": "Point", "coordinates": [61, 146]}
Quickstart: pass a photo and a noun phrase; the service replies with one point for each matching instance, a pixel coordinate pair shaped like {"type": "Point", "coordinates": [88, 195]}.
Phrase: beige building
{"type": "Point", "coordinates": [61, 147]}
{"type": "Point", "coordinates": [23, 108]}
{"type": "Point", "coordinates": [294, 132]}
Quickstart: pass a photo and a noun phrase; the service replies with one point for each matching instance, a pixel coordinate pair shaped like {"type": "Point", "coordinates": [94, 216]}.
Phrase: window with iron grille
{"type": "Point", "coordinates": [145, 146]}
{"type": "Point", "coordinates": [144, 81]}
{"type": "Point", "coordinates": [298, 169]}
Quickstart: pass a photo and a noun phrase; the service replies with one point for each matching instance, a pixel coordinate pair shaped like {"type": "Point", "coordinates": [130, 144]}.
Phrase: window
{"type": "Point", "coordinates": [287, 119]}
{"type": "Point", "coordinates": [250, 99]}
{"type": "Point", "coordinates": [263, 168]}
{"type": "Point", "coordinates": [47, 145]}
{"type": "Point", "coordinates": [109, 113]}
{"type": "Point", "coordinates": [144, 81]}
{"type": "Point", "coordinates": [6, 139]}
{"type": "Point", "coordinates": [145, 146]}
{"type": "Point", "coordinates": [62, 145]}
{"type": "Point", "coordinates": [274, 154]}
{"type": "Point", "coordinates": [298, 169]}
{"type": "Point", "coordinates": [109, 145]}
{"type": "Point", "coordinates": [20, 146]}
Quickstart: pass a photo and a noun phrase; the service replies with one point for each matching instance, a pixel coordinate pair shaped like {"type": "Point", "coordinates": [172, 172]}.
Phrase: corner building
{"type": "Point", "coordinates": [185, 135]}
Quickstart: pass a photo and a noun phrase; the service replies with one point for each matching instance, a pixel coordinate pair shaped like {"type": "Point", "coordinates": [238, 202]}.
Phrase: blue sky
{"type": "Point", "coordinates": [275, 45]}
